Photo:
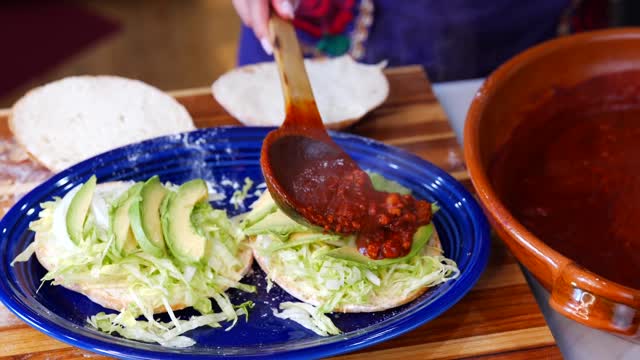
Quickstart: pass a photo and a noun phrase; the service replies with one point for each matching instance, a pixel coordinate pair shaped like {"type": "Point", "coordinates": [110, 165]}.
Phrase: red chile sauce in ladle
{"type": "Point", "coordinates": [334, 193]}
{"type": "Point", "coordinates": [570, 173]}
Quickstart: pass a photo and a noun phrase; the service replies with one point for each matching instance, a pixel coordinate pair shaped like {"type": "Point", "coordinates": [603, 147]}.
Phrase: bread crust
{"type": "Point", "coordinates": [19, 142]}
{"type": "Point", "coordinates": [297, 289]}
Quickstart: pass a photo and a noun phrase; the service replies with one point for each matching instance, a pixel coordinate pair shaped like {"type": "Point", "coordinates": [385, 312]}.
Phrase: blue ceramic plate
{"type": "Point", "coordinates": [232, 154]}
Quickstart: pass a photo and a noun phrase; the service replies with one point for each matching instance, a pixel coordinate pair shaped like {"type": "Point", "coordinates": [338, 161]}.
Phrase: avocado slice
{"type": "Point", "coordinates": [380, 183]}
{"type": "Point", "coordinates": [78, 210]}
{"type": "Point", "coordinates": [182, 239]}
{"type": "Point", "coordinates": [144, 215]}
{"type": "Point", "coordinates": [277, 224]}
{"type": "Point", "coordinates": [259, 209]}
{"type": "Point", "coordinates": [304, 238]}
{"type": "Point", "coordinates": [351, 254]}
{"type": "Point", "coordinates": [124, 241]}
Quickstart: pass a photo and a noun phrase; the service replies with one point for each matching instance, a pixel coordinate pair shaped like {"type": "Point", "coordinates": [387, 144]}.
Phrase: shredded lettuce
{"type": "Point", "coordinates": [243, 309]}
{"type": "Point", "coordinates": [45, 217]}
{"type": "Point", "coordinates": [166, 334]}
{"type": "Point", "coordinates": [25, 254]}
{"type": "Point", "coordinates": [215, 224]}
{"type": "Point", "coordinates": [238, 196]}
{"type": "Point", "coordinates": [338, 282]}
{"type": "Point", "coordinates": [308, 316]}
{"type": "Point", "coordinates": [146, 283]}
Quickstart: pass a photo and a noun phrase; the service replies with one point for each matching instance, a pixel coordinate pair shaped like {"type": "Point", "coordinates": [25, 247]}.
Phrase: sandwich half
{"type": "Point", "coordinates": [326, 270]}
{"type": "Point", "coordinates": [143, 248]}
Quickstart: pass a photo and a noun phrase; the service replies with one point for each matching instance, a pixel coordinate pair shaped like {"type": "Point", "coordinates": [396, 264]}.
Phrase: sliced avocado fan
{"type": "Point", "coordinates": [181, 237]}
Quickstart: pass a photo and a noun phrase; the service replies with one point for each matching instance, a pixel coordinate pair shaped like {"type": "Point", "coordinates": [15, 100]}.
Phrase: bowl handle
{"type": "Point", "coordinates": [585, 301]}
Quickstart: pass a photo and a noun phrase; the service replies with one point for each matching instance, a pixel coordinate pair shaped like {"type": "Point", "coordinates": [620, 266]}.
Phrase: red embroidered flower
{"type": "Point", "coordinates": [324, 17]}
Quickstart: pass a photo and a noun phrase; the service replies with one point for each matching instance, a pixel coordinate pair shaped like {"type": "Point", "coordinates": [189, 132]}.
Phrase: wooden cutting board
{"type": "Point", "coordinates": [498, 319]}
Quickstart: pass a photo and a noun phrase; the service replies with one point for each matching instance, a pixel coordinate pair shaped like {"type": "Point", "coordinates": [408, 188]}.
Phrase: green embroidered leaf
{"type": "Point", "coordinates": [334, 45]}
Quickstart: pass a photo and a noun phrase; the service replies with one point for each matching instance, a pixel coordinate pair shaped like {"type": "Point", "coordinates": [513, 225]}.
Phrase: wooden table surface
{"type": "Point", "coordinates": [498, 319]}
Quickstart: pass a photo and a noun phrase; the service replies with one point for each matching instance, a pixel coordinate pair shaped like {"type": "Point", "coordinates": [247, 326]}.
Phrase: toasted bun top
{"type": "Point", "coordinates": [344, 91]}
{"type": "Point", "coordinates": [72, 119]}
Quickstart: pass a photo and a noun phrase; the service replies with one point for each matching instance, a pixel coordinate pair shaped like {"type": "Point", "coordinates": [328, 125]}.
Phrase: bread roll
{"type": "Point", "coordinates": [344, 91]}
{"type": "Point", "coordinates": [70, 120]}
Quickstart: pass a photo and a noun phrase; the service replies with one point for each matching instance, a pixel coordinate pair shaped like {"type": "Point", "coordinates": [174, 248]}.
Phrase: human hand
{"type": "Point", "coordinates": [255, 14]}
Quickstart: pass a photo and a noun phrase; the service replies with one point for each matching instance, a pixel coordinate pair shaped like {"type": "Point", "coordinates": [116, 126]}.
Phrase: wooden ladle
{"type": "Point", "coordinates": [292, 154]}
{"type": "Point", "coordinates": [315, 182]}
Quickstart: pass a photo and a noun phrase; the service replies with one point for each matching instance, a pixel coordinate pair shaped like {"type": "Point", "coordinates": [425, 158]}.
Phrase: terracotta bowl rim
{"type": "Point", "coordinates": [494, 207]}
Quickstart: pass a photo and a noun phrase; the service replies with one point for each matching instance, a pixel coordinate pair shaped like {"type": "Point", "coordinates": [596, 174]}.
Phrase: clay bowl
{"type": "Point", "coordinates": [495, 111]}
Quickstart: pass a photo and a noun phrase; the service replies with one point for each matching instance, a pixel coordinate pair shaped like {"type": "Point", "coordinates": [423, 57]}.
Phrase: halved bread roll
{"type": "Point", "coordinates": [69, 120]}
{"type": "Point", "coordinates": [344, 91]}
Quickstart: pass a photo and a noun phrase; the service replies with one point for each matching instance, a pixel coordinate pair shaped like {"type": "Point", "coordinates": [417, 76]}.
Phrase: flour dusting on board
{"type": "Point", "coordinates": [18, 174]}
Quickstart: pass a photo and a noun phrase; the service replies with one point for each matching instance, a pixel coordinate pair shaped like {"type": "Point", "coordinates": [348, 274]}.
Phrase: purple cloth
{"type": "Point", "coordinates": [451, 39]}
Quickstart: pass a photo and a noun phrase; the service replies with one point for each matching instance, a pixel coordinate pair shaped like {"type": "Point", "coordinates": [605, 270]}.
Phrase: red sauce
{"type": "Point", "coordinates": [571, 175]}
{"type": "Point", "coordinates": [338, 196]}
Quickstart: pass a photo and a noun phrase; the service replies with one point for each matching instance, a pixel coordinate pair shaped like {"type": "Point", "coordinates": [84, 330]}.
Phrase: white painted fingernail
{"type": "Point", "coordinates": [266, 45]}
{"type": "Point", "coordinates": [286, 9]}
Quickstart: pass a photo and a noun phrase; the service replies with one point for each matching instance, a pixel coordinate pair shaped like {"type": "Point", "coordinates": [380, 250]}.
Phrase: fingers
{"type": "Point", "coordinates": [284, 8]}
{"type": "Point", "coordinates": [259, 18]}
{"type": "Point", "coordinates": [255, 14]}
{"type": "Point", "coordinates": [242, 8]}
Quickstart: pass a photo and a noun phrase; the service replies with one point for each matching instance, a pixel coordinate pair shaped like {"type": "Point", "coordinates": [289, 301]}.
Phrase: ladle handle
{"type": "Point", "coordinates": [299, 103]}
